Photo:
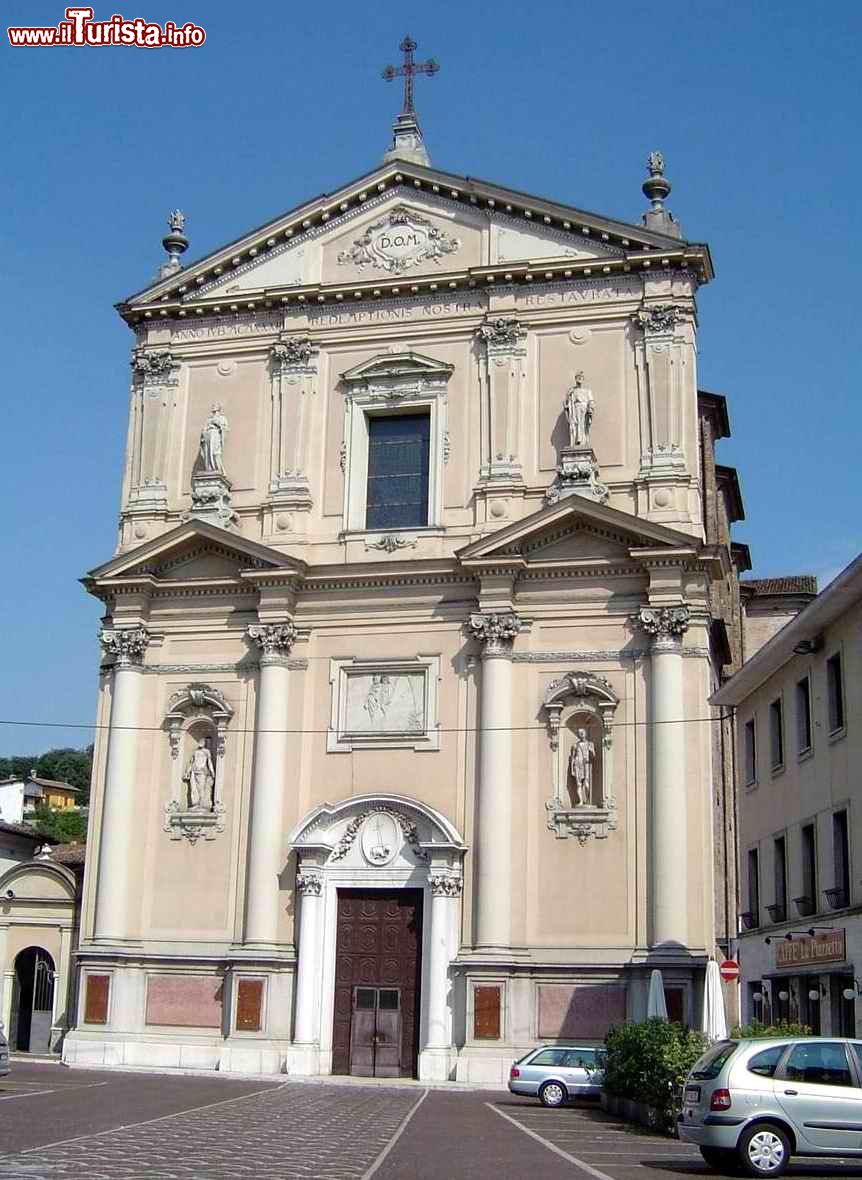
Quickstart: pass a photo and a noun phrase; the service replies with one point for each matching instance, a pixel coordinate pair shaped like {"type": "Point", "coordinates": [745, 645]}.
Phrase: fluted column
{"type": "Point", "coordinates": [669, 827]}
{"type": "Point", "coordinates": [445, 892]}
{"type": "Point", "coordinates": [309, 885]}
{"type": "Point", "coordinates": [493, 823]}
{"type": "Point", "coordinates": [127, 646]}
{"type": "Point", "coordinates": [265, 859]}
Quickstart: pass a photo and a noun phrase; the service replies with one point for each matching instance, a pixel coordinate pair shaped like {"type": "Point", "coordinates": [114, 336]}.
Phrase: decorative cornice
{"type": "Point", "coordinates": [274, 640]}
{"type": "Point", "coordinates": [495, 631]}
{"type": "Point", "coordinates": [127, 646]}
{"type": "Point", "coordinates": [391, 543]}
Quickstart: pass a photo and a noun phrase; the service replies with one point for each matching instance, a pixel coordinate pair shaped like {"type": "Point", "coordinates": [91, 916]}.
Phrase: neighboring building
{"type": "Point", "coordinates": [799, 731]}
{"type": "Point", "coordinates": [772, 602]}
{"type": "Point", "coordinates": [424, 580]}
{"type": "Point", "coordinates": [39, 913]}
{"type": "Point", "coordinates": [20, 797]}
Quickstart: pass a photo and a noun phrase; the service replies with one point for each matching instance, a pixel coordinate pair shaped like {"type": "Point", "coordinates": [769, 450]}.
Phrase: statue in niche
{"type": "Point", "coordinates": [581, 766]}
{"type": "Point", "coordinates": [200, 778]}
{"type": "Point", "coordinates": [211, 453]}
{"type": "Point", "coordinates": [580, 407]}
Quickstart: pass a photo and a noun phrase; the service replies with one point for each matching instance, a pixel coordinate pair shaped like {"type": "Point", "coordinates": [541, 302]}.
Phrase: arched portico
{"type": "Point", "coordinates": [374, 849]}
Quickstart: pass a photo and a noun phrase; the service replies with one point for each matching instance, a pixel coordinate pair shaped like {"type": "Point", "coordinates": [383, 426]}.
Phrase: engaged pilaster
{"type": "Point", "coordinates": [309, 886]}
{"type": "Point", "coordinates": [666, 627]}
{"type": "Point", "coordinates": [446, 890]}
{"type": "Point", "coordinates": [265, 859]}
{"type": "Point", "coordinates": [293, 376]}
{"type": "Point", "coordinates": [502, 379]}
{"type": "Point", "coordinates": [496, 632]}
{"type": "Point", "coordinates": [127, 646]}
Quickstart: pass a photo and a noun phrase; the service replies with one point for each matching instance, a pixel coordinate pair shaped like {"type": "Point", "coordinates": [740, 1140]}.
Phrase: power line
{"type": "Point", "coordinates": [365, 732]}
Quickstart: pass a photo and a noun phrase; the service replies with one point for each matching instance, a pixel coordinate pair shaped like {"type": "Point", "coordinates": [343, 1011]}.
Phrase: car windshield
{"type": "Point", "coordinates": [711, 1063]}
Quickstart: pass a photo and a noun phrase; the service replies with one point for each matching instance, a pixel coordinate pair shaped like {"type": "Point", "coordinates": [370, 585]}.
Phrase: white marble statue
{"type": "Point", "coordinates": [580, 406]}
{"type": "Point", "coordinates": [200, 777]}
{"type": "Point", "coordinates": [211, 454]}
{"type": "Point", "coordinates": [581, 765]}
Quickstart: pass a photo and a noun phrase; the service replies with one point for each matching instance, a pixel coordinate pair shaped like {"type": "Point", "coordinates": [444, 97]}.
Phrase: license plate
{"type": "Point", "coordinates": [692, 1095]}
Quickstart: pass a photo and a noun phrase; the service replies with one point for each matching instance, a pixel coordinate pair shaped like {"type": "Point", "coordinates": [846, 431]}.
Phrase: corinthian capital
{"type": "Point", "coordinates": [293, 350]}
{"type": "Point", "coordinates": [503, 332]}
{"type": "Point", "coordinates": [658, 317]}
{"type": "Point", "coordinates": [153, 365]}
{"type": "Point", "coordinates": [127, 646]}
{"type": "Point", "coordinates": [495, 631]}
{"type": "Point", "coordinates": [665, 624]}
{"type": "Point", "coordinates": [274, 639]}
{"type": "Point", "coordinates": [445, 886]}
{"type": "Point", "coordinates": [309, 884]}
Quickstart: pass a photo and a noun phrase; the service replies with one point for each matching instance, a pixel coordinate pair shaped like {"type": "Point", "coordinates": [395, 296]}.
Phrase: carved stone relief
{"type": "Point", "coordinates": [196, 723]}
{"type": "Point", "coordinates": [380, 703]}
{"type": "Point", "coordinates": [399, 241]}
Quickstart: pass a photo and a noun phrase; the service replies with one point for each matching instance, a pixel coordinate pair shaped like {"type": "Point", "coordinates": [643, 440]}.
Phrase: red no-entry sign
{"type": "Point", "coordinates": [729, 970]}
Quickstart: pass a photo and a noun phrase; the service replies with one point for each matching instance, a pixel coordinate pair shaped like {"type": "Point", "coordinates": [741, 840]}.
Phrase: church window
{"type": "Point", "coordinates": [397, 493]}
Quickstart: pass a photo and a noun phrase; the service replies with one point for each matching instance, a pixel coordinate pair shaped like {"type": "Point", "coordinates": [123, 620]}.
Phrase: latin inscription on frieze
{"type": "Point", "coordinates": [580, 293]}
{"type": "Point", "coordinates": [387, 313]}
{"type": "Point", "coordinates": [241, 325]}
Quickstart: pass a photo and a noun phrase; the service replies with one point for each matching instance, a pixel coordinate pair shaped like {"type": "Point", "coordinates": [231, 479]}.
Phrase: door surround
{"type": "Point", "coordinates": [424, 851]}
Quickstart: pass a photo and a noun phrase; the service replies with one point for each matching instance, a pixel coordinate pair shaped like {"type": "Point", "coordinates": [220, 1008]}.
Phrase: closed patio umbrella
{"type": "Point", "coordinates": [655, 1001]}
{"type": "Point", "coordinates": [714, 1018]}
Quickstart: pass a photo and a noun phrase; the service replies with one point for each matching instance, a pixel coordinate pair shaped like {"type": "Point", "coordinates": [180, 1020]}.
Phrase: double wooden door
{"type": "Point", "coordinates": [377, 974]}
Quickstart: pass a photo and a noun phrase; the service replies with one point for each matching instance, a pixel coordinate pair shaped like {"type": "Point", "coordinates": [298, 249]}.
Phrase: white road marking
{"type": "Point", "coordinates": [60, 1089]}
{"type": "Point", "coordinates": [144, 1122]}
{"type": "Point", "coordinates": [402, 1128]}
{"type": "Point", "coordinates": [585, 1167]}
{"type": "Point", "coordinates": [33, 1094]}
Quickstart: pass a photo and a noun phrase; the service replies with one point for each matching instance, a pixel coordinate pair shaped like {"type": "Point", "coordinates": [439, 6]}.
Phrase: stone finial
{"type": "Point", "coordinates": [655, 188]}
{"type": "Point", "coordinates": [407, 142]}
{"type": "Point", "coordinates": [175, 243]}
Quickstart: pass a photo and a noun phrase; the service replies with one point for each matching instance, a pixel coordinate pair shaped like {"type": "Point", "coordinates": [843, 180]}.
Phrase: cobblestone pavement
{"type": "Point", "coordinates": [328, 1133]}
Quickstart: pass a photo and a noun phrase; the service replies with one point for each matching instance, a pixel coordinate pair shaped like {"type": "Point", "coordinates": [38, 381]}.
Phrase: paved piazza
{"type": "Point", "coordinates": [57, 1123]}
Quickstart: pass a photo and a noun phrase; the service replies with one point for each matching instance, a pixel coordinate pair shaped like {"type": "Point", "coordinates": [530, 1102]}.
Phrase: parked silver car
{"type": "Point", "coordinates": [557, 1074]}
{"type": "Point", "coordinates": [755, 1103]}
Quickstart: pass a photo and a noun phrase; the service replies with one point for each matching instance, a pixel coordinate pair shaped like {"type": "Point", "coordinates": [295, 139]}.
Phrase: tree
{"type": "Point", "coordinates": [64, 765]}
{"type": "Point", "coordinates": [64, 826]}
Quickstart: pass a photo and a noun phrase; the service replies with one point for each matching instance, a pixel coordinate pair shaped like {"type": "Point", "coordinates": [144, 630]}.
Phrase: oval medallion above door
{"type": "Point", "coordinates": [381, 838]}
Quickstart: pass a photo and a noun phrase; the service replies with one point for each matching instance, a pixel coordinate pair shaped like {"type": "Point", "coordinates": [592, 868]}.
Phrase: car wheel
{"type": "Point", "coordinates": [552, 1094]}
{"type": "Point", "coordinates": [764, 1150]}
{"type": "Point", "coordinates": [722, 1159]}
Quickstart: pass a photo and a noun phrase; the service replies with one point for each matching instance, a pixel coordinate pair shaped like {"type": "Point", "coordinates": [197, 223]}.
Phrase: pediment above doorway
{"type": "Point", "coordinates": [371, 832]}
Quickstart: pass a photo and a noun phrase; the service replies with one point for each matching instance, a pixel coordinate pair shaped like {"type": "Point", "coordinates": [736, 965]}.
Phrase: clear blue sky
{"type": "Point", "coordinates": [755, 106]}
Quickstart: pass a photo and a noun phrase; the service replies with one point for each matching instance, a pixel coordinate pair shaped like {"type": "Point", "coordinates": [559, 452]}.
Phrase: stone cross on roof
{"type": "Point", "coordinates": [408, 71]}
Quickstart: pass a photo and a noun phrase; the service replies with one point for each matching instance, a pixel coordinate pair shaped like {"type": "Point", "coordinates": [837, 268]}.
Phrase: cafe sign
{"type": "Point", "coordinates": [810, 949]}
{"type": "Point", "coordinates": [400, 240]}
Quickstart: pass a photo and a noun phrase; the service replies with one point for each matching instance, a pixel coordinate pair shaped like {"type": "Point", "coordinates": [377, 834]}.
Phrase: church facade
{"type": "Point", "coordinates": [404, 759]}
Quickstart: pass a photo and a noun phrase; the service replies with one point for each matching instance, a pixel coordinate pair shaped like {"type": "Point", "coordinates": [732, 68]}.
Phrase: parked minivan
{"type": "Point", "coordinates": [755, 1103]}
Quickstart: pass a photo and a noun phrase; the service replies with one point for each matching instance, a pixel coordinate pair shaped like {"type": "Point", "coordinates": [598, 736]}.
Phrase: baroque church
{"type": "Point", "coordinates": [424, 578]}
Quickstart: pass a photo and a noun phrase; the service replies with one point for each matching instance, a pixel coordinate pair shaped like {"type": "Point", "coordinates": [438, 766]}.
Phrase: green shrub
{"type": "Point", "coordinates": [781, 1028]}
{"type": "Point", "coordinates": [646, 1062]}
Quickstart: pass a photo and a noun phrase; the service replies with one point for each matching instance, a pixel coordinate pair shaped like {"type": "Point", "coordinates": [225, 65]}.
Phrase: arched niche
{"type": "Point", "coordinates": [196, 722]}
{"type": "Point", "coordinates": [579, 708]}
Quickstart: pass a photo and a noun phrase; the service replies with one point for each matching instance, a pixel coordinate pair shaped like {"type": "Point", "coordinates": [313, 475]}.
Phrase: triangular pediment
{"type": "Point", "coordinates": [196, 551]}
{"type": "Point", "coordinates": [395, 366]}
{"type": "Point", "coordinates": [571, 531]}
{"type": "Point", "coordinates": [337, 237]}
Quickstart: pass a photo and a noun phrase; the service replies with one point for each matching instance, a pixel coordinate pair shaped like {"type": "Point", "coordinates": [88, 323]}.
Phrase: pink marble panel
{"type": "Point", "coordinates": [193, 1001]}
{"type": "Point", "coordinates": [586, 1011]}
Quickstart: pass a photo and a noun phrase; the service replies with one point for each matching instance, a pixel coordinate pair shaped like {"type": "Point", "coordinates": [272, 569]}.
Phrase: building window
{"type": "Point", "coordinates": [397, 491]}
{"type": "Point", "coordinates": [750, 741]}
{"type": "Point", "coordinates": [754, 886]}
{"type": "Point", "coordinates": [839, 894]}
{"type": "Point", "coordinates": [835, 693]}
{"type": "Point", "coordinates": [776, 734]}
{"type": "Point", "coordinates": [778, 910]}
{"type": "Point", "coordinates": [809, 865]}
{"type": "Point", "coordinates": [803, 715]}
